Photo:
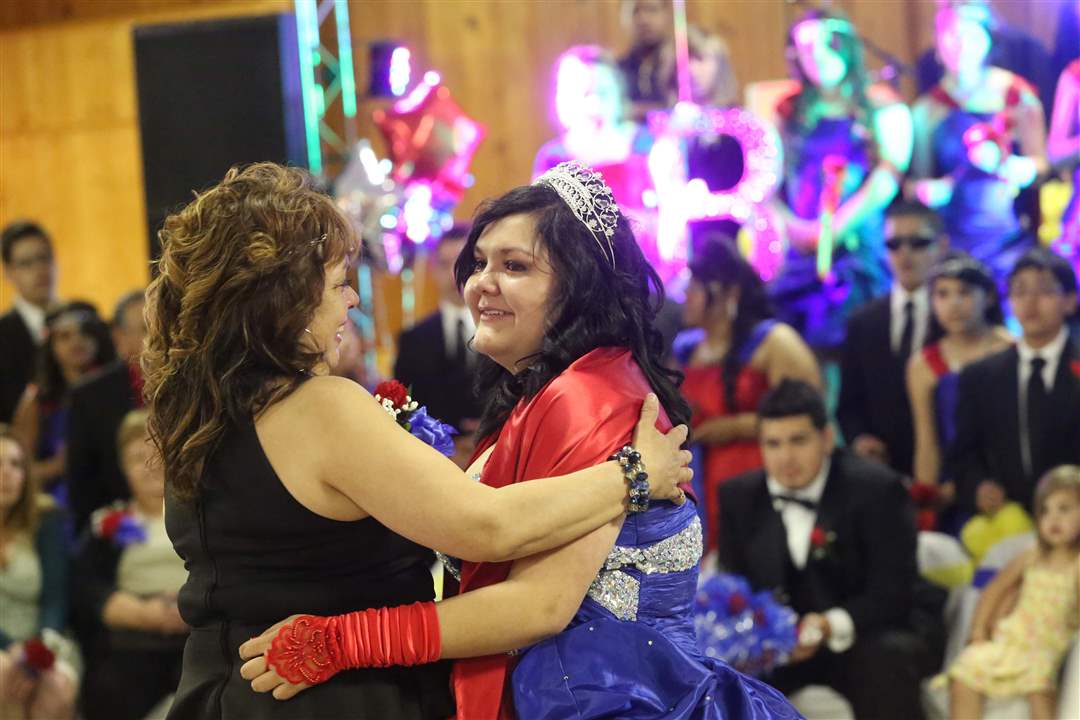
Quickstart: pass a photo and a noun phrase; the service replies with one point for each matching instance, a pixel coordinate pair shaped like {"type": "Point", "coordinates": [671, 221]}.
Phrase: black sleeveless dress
{"type": "Point", "coordinates": [254, 557]}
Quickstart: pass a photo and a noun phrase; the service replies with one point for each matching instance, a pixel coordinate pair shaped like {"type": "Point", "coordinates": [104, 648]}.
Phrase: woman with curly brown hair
{"type": "Point", "coordinates": [285, 487]}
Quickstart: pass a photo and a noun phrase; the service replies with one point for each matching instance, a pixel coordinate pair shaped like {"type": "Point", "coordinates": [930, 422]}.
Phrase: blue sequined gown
{"type": "Point", "coordinates": [630, 651]}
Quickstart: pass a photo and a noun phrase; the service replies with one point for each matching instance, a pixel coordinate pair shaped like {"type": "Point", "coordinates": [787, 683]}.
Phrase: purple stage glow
{"type": "Point", "coordinates": [683, 200]}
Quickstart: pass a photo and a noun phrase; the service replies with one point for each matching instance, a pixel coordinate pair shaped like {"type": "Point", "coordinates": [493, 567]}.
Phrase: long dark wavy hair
{"type": "Point", "coordinates": [801, 117]}
{"type": "Point", "coordinates": [593, 305]}
{"type": "Point", "coordinates": [241, 274]}
{"type": "Point", "coordinates": [717, 261]}
{"type": "Point", "coordinates": [52, 385]}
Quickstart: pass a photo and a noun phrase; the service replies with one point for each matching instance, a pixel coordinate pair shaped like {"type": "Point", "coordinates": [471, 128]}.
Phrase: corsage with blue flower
{"type": "Point", "coordinates": [411, 415]}
{"type": "Point", "coordinates": [117, 524]}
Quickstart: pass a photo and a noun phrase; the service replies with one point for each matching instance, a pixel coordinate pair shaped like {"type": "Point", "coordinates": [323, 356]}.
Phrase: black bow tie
{"type": "Point", "coordinates": [808, 504]}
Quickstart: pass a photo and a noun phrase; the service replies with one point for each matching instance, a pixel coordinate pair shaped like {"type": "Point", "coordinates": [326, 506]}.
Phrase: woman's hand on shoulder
{"type": "Point", "coordinates": [665, 460]}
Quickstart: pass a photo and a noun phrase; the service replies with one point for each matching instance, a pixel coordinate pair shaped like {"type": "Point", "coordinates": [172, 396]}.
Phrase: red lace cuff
{"type": "Point", "coordinates": [305, 650]}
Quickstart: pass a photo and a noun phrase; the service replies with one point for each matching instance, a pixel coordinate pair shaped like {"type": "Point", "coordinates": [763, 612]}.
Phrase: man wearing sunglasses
{"type": "Point", "coordinates": [873, 410]}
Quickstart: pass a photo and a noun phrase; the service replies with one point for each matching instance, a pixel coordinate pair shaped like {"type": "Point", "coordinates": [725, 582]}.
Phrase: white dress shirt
{"type": "Point", "coordinates": [798, 525]}
{"type": "Point", "coordinates": [33, 317]}
{"type": "Point", "coordinates": [450, 315]}
{"type": "Point", "coordinates": [920, 316]}
{"type": "Point", "coordinates": [1051, 353]}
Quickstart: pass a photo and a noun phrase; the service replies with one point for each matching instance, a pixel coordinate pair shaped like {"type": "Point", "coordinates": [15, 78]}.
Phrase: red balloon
{"type": "Point", "coordinates": [430, 139]}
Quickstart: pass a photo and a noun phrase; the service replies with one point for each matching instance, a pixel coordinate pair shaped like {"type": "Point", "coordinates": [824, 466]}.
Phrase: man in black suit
{"type": "Point", "coordinates": [434, 357]}
{"type": "Point", "coordinates": [30, 268]}
{"type": "Point", "coordinates": [1018, 411]}
{"type": "Point", "coordinates": [873, 410]}
{"type": "Point", "coordinates": [98, 406]}
{"type": "Point", "coordinates": [833, 535]}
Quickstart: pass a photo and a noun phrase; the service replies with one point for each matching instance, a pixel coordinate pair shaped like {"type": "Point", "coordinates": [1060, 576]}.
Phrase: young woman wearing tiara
{"type": "Point", "coordinates": [288, 490]}
{"type": "Point", "coordinates": [561, 293]}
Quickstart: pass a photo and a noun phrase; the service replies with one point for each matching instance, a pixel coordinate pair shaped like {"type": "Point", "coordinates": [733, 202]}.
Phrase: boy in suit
{"type": "Point", "coordinates": [1018, 411]}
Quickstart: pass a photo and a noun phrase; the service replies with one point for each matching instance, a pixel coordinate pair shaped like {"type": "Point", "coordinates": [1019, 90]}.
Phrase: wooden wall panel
{"type": "Point", "coordinates": [69, 146]}
{"type": "Point", "coordinates": [70, 153]}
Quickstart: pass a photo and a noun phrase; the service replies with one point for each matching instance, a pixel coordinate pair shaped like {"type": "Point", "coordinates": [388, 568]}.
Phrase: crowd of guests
{"type": "Point", "coordinates": [86, 568]}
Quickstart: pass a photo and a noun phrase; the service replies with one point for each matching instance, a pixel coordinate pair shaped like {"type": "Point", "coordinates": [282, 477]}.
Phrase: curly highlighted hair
{"type": "Point", "coordinates": [241, 274]}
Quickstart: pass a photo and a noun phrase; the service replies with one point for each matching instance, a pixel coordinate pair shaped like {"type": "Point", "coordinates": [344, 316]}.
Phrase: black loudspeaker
{"type": "Point", "coordinates": [214, 94]}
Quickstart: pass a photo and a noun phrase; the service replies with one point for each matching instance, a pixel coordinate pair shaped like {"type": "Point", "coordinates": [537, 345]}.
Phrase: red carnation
{"type": "Point", "coordinates": [1075, 366]}
{"type": "Point", "coordinates": [818, 537]}
{"type": "Point", "coordinates": [393, 391]}
{"type": "Point", "coordinates": [37, 656]}
{"type": "Point", "coordinates": [736, 603]}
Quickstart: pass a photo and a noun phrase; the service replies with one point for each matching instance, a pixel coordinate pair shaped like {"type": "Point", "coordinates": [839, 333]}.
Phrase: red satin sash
{"type": "Point", "coordinates": [576, 421]}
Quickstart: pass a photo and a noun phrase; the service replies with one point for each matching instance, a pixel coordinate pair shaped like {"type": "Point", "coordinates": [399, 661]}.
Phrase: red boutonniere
{"type": "Point", "coordinates": [1075, 367]}
{"type": "Point", "coordinates": [821, 542]}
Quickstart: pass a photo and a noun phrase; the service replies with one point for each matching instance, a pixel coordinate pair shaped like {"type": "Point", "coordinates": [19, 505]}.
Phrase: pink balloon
{"type": "Point", "coordinates": [431, 138]}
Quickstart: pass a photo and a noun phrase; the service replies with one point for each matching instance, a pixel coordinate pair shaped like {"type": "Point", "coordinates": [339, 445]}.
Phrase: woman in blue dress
{"type": "Point", "coordinates": [601, 627]}
{"type": "Point", "coordinates": [964, 300]}
{"type": "Point", "coordinates": [980, 138]}
{"type": "Point", "coordinates": [847, 143]}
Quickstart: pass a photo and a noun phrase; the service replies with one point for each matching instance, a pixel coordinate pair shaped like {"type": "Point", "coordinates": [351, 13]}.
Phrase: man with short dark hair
{"type": "Point", "coordinates": [833, 536]}
{"type": "Point", "coordinates": [30, 267]}
{"type": "Point", "coordinates": [98, 406]}
{"type": "Point", "coordinates": [1018, 411]}
{"type": "Point", "coordinates": [873, 410]}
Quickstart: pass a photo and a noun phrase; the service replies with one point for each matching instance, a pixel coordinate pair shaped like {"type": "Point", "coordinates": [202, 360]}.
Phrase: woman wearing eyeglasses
{"type": "Point", "coordinates": [970, 326]}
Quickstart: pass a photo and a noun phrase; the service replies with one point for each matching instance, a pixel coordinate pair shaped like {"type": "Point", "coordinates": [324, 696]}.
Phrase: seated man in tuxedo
{"type": "Point", "coordinates": [1018, 411]}
{"type": "Point", "coordinates": [434, 357]}
{"type": "Point", "coordinates": [873, 409]}
{"type": "Point", "coordinates": [833, 535]}
{"type": "Point", "coordinates": [98, 406]}
{"type": "Point", "coordinates": [30, 269]}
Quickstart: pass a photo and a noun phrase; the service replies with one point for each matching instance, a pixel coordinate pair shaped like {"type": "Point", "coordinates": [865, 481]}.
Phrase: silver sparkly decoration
{"type": "Point", "coordinates": [450, 564]}
{"type": "Point", "coordinates": [588, 196]}
{"type": "Point", "coordinates": [618, 591]}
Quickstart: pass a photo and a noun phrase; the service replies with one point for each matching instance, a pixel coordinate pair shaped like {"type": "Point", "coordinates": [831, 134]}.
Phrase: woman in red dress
{"type": "Point", "coordinates": [735, 351]}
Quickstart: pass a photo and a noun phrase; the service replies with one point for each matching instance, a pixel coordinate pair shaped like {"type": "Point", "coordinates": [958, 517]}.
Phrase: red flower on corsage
{"type": "Point", "coordinates": [395, 392]}
{"type": "Point", "coordinates": [926, 498]}
{"type": "Point", "coordinates": [117, 524]}
{"type": "Point", "coordinates": [821, 541]}
{"type": "Point", "coordinates": [409, 414]}
{"type": "Point", "coordinates": [1075, 367]}
{"type": "Point", "coordinates": [36, 655]}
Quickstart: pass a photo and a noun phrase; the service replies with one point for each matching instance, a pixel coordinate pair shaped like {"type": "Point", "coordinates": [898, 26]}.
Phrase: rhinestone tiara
{"type": "Point", "coordinates": [588, 196]}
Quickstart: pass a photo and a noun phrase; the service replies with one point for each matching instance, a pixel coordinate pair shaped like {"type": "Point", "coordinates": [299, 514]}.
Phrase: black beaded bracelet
{"type": "Point", "coordinates": [637, 480]}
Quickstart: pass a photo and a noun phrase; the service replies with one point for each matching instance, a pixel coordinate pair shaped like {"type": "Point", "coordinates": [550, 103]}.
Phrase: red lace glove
{"type": "Point", "coordinates": [313, 649]}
